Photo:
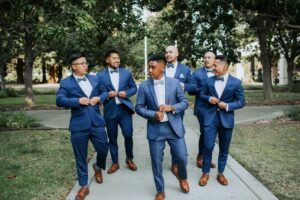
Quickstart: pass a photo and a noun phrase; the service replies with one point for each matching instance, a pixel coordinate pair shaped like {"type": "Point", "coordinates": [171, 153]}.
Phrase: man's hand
{"type": "Point", "coordinates": [166, 108]}
{"type": "Point", "coordinates": [159, 116]}
{"type": "Point", "coordinates": [214, 100]}
{"type": "Point", "coordinates": [112, 94]}
{"type": "Point", "coordinates": [122, 94]}
{"type": "Point", "coordinates": [84, 101]}
{"type": "Point", "coordinates": [94, 101]}
{"type": "Point", "coordinates": [222, 105]}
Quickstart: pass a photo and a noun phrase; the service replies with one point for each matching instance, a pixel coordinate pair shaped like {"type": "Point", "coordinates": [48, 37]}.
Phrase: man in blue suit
{"type": "Point", "coordinates": [224, 93]}
{"type": "Point", "coordinates": [118, 108]}
{"type": "Point", "coordinates": [199, 78]}
{"type": "Point", "coordinates": [181, 72]}
{"type": "Point", "coordinates": [161, 100]}
{"type": "Point", "coordinates": [82, 93]}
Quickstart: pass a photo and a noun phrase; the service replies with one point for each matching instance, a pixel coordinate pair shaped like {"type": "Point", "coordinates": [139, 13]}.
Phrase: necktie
{"type": "Point", "coordinates": [158, 82]}
{"type": "Point", "coordinates": [114, 71]}
{"type": "Point", "coordinates": [81, 79]}
{"type": "Point", "coordinates": [209, 70]}
{"type": "Point", "coordinates": [219, 78]}
{"type": "Point", "coordinates": [170, 65]}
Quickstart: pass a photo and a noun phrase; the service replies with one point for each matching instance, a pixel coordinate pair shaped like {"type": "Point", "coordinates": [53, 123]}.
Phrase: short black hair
{"type": "Point", "coordinates": [157, 57]}
{"type": "Point", "coordinates": [75, 56]}
{"type": "Point", "coordinates": [109, 52]}
{"type": "Point", "coordinates": [223, 58]}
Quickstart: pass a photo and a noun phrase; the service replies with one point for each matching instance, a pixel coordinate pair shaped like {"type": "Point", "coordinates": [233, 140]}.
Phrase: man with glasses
{"type": "Point", "coordinates": [118, 108]}
{"type": "Point", "coordinates": [82, 94]}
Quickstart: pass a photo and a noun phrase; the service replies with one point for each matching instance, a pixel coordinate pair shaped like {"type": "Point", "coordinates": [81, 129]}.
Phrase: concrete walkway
{"type": "Point", "coordinates": [139, 185]}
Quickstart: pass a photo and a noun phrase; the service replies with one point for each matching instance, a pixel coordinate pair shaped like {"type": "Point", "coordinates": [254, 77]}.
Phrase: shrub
{"type": "Point", "coordinates": [295, 114]}
{"type": "Point", "coordinates": [8, 92]}
{"type": "Point", "coordinates": [17, 120]}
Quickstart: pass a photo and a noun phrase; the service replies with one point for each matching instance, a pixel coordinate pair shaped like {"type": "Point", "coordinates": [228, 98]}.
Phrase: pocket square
{"type": "Point", "coordinates": [181, 76]}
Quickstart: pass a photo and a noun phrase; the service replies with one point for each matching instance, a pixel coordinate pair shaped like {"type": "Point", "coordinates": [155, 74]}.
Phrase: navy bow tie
{"type": "Point", "coordinates": [81, 79]}
{"type": "Point", "coordinates": [159, 82]}
{"type": "Point", "coordinates": [114, 71]}
{"type": "Point", "coordinates": [219, 78]}
{"type": "Point", "coordinates": [209, 70]}
{"type": "Point", "coordinates": [170, 65]}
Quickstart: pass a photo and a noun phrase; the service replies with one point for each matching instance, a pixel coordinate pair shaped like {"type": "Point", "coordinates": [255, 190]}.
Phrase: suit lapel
{"type": "Point", "coordinates": [108, 80]}
{"type": "Point", "coordinates": [121, 80]}
{"type": "Point", "coordinates": [177, 73]}
{"type": "Point", "coordinates": [212, 87]}
{"type": "Point", "coordinates": [167, 90]}
{"type": "Point", "coordinates": [226, 88]}
{"type": "Point", "coordinates": [152, 91]}
{"type": "Point", "coordinates": [77, 86]}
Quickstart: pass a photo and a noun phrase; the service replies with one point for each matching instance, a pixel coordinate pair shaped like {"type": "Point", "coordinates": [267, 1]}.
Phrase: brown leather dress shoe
{"type": "Point", "coordinates": [160, 196]}
{"type": "Point", "coordinates": [98, 174]}
{"type": "Point", "coordinates": [222, 179]}
{"type": "Point", "coordinates": [204, 179]}
{"type": "Point", "coordinates": [184, 185]}
{"type": "Point", "coordinates": [114, 167]}
{"type": "Point", "coordinates": [175, 170]}
{"type": "Point", "coordinates": [131, 165]}
{"type": "Point", "coordinates": [82, 193]}
{"type": "Point", "coordinates": [199, 161]}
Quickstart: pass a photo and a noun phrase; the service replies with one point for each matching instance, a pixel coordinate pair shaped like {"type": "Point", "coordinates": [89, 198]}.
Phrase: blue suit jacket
{"type": "Point", "coordinates": [82, 116]}
{"type": "Point", "coordinates": [126, 83]}
{"type": "Point", "coordinates": [147, 105]}
{"type": "Point", "coordinates": [233, 95]}
{"type": "Point", "coordinates": [199, 78]}
{"type": "Point", "coordinates": [183, 74]}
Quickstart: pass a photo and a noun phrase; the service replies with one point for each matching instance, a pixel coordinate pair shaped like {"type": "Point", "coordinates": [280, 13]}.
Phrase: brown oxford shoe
{"type": "Point", "coordinates": [204, 179]}
{"type": "Point", "coordinates": [131, 165]}
{"type": "Point", "coordinates": [199, 162]}
{"type": "Point", "coordinates": [174, 169]}
{"type": "Point", "coordinates": [114, 167]}
{"type": "Point", "coordinates": [222, 179]}
{"type": "Point", "coordinates": [82, 193]}
{"type": "Point", "coordinates": [160, 196]}
{"type": "Point", "coordinates": [98, 174]}
{"type": "Point", "coordinates": [184, 185]}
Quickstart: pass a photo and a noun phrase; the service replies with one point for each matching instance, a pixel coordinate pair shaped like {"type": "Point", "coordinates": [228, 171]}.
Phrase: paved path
{"type": "Point", "coordinates": [139, 185]}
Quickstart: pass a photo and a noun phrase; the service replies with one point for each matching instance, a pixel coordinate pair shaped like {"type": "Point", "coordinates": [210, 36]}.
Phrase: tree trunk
{"type": "Point", "coordinates": [44, 71]}
{"type": "Point", "coordinates": [59, 73]}
{"type": "Point", "coordinates": [252, 68]}
{"type": "Point", "coordinates": [290, 72]}
{"type": "Point", "coordinates": [29, 58]}
{"type": "Point", "coordinates": [265, 57]}
{"type": "Point", "coordinates": [20, 71]}
{"type": "Point", "coordinates": [2, 75]}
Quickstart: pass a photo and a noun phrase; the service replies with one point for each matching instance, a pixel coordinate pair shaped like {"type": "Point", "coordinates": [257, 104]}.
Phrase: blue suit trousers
{"type": "Point", "coordinates": [80, 140]}
{"type": "Point", "coordinates": [157, 146]}
{"type": "Point", "coordinates": [210, 134]}
{"type": "Point", "coordinates": [124, 119]}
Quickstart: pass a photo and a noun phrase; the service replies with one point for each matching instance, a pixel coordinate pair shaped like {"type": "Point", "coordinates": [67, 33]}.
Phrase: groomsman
{"type": "Point", "coordinates": [224, 93]}
{"type": "Point", "coordinates": [83, 94]}
{"type": "Point", "coordinates": [199, 78]}
{"type": "Point", "coordinates": [118, 108]}
{"type": "Point", "coordinates": [179, 71]}
{"type": "Point", "coordinates": [161, 100]}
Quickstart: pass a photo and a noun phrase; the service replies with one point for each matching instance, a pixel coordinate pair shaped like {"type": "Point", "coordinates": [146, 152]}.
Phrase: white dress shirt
{"type": "Point", "coordinates": [220, 85]}
{"type": "Point", "coordinates": [115, 77]}
{"type": "Point", "coordinates": [160, 92]}
{"type": "Point", "coordinates": [86, 86]}
{"type": "Point", "coordinates": [171, 71]}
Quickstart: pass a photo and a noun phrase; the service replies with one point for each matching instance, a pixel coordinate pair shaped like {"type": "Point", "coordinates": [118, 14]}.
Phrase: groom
{"type": "Point", "coordinates": [161, 100]}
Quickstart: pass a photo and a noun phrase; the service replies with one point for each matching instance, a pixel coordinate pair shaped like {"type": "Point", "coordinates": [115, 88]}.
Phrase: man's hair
{"type": "Point", "coordinates": [109, 52]}
{"type": "Point", "coordinates": [158, 58]}
{"type": "Point", "coordinates": [210, 51]}
{"type": "Point", "coordinates": [75, 56]}
{"type": "Point", "coordinates": [223, 58]}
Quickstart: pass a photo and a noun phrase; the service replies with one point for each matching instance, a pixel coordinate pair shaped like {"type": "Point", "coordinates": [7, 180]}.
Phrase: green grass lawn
{"type": "Point", "coordinates": [271, 153]}
{"type": "Point", "coordinates": [20, 100]}
{"type": "Point", "coordinates": [36, 165]}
